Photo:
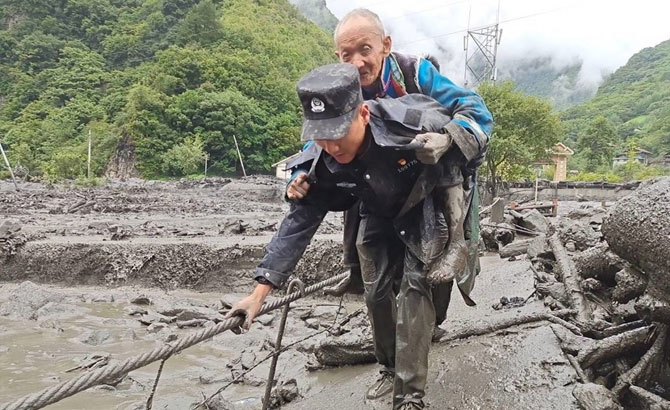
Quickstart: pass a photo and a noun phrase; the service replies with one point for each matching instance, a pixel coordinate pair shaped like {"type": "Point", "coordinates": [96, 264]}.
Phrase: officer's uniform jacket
{"type": "Point", "coordinates": [387, 178]}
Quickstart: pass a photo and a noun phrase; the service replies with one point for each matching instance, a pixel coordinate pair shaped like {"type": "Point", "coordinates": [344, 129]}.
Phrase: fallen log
{"type": "Point", "coordinates": [598, 262]}
{"type": "Point", "coordinates": [570, 279]}
{"type": "Point", "coordinates": [615, 330]}
{"type": "Point", "coordinates": [636, 372]}
{"type": "Point", "coordinates": [613, 347]}
{"type": "Point", "coordinates": [486, 328]}
{"type": "Point", "coordinates": [647, 400]}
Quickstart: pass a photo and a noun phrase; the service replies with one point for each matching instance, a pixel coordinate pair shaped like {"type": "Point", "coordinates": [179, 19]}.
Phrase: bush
{"type": "Point", "coordinates": [65, 164]}
{"type": "Point", "coordinates": [84, 182]}
{"type": "Point", "coordinates": [186, 158]}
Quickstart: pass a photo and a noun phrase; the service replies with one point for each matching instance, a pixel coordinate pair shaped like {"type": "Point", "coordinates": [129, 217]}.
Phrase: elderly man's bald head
{"type": "Point", "coordinates": [360, 40]}
{"type": "Point", "coordinates": [360, 16]}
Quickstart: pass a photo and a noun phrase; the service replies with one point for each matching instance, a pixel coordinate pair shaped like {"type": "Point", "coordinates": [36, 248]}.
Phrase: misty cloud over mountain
{"type": "Point", "coordinates": [580, 42]}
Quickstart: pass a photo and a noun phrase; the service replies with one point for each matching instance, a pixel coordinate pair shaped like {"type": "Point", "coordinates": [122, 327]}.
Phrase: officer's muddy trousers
{"type": "Point", "coordinates": [402, 324]}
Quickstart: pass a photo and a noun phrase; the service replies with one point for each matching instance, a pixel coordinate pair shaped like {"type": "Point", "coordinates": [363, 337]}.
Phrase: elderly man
{"type": "Point", "coordinates": [366, 151]}
{"type": "Point", "coordinates": [360, 40]}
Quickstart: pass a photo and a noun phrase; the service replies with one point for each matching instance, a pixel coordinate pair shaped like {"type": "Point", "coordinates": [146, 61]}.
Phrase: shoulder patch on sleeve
{"type": "Point", "coordinates": [412, 117]}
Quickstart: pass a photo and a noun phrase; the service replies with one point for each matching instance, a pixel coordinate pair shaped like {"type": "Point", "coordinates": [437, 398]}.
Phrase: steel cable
{"type": "Point", "coordinates": [92, 378]}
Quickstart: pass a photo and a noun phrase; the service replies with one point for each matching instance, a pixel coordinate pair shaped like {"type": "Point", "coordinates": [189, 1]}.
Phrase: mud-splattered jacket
{"type": "Point", "coordinates": [387, 178]}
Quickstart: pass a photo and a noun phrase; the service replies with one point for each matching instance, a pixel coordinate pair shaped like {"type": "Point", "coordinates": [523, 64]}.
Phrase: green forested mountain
{"type": "Point", "coordinates": [317, 12]}
{"type": "Point", "coordinates": [169, 80]}
{"type": "Point", "coordinates": [634, 101]}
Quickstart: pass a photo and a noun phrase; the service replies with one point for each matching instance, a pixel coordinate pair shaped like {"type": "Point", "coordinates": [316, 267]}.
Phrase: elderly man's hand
{"type": "Point", "coordinates": [298, 188]}
{"type": "Point", "coordinates": [434, 146]}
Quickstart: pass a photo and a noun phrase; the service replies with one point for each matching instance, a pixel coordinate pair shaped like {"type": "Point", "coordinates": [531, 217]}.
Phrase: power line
{"type": "Point", "coordinates": [451, 33]}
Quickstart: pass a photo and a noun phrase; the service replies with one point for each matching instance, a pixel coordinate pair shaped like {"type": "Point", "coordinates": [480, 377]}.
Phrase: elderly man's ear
{"type": "Point", "coordinates": [386, 42]}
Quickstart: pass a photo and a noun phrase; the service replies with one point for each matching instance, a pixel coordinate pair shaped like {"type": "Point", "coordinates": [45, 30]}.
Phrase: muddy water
{"type": "Point", "coordinates": [520, 368]}
{"type": "Point", "coordinates": [37, 354]}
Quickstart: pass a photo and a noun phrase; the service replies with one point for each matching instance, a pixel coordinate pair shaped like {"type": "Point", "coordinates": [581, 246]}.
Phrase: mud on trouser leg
{"type": "Point", "coordinates": [378, 251]}
{"type": "Point", "coordinates": [415, 320]}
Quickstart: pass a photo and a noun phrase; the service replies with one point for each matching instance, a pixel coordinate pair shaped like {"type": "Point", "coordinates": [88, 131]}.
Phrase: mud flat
{"type": "Point", "coordinates": [206, 234]}
{"type": "Point", "coordinates": [89, 276]}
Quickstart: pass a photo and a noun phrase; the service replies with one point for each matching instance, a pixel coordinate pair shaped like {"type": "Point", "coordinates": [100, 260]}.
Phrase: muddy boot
{"type": "Point", "coordinates": [382, 387]}
{"type": "Point", "coordinates": [412, 406]}
{"type": "Point", "coordinates": [455, 258]}
{"type": "Point", "coordinates": [351, 284]}
{"type": "Point", "coordinates": [438, 334]}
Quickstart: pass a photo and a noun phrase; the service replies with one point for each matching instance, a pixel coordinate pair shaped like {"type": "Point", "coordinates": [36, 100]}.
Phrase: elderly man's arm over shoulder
{"type": "Point", "coordinates": [472, 122]}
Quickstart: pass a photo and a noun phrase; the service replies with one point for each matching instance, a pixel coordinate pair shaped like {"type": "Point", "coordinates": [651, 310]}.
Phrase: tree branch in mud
{"type": "Point", "coordinates": [651, 356]}
{"type": "Point", "coordinates": [486, 328]}
{"type": "Point", "coordinates": [649, 400]}
{"type": "Point", "coordinates": [613, 346]}
{"type": "Point", "coordinates": [618, 329]}
{"type": "Point", "coordinates": [150, 400]}
{"type": "Point", "coordinates": [570, 279]}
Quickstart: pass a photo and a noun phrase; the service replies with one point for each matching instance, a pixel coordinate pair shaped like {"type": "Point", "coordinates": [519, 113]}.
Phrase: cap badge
{"type": "Point", "coordinates": [318, 105]}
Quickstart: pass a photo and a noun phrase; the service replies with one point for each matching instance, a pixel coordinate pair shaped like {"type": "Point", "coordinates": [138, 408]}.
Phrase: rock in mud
{"type": "Point", "coordinates": [191, 323]}
{"type": "Point", "coordinates": [8, 229]}
{"type": "Point", "coordinates": [135, 311]}
{"type": "Point", "coordinates": [187, 313]}
{"type": "Point", "coordinates": [266, 319]}
{"type": "Point", "coordinates": [515, 248]}
{"type": "Point", "coordinates": [156, 327]}
{"type": "Point", "coordinates": [217, 402]}
{"type": "Point", "coordinates": [26, 300]}
{"type": "Point", "coordinates": [326, 313]}
{"type": "Point", "coordinates": [141, 300]}
{"type": "Point", "coordinates": [533, 220]}
{"type": "Point", "coordinates": [153, 317]}
{"type": "Point", "coordinates": [95, 337]}
{"type": "Point", "coordinates": [583, 236]}
{"type": "Point", "coordinates": [539, 248]}
{"type": "Point", "coordinates": [285, 393]}
{"type": "Point", "coordinates": [355, 347]}
{"type": "Point", "coordinates": [630, 283]}
{"type": "Point", "coordinates": [595, 397]}
{"type": "Point", "coordinates": [59, 311]}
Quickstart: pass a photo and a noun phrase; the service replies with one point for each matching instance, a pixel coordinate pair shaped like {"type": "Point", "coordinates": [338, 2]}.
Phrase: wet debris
{"type": "Point", "coordinates": [91, 361]}
{"type": "Point", "coordinates": [10, 238]}
{"type": "Point", "coordinates": [615, 272]}
{"type": "Point", "coordinates": [141, 300]}
{"type": "Point", "coordinates": [284, 393]}
{"type": "Point", "coordinates": [509, 303]}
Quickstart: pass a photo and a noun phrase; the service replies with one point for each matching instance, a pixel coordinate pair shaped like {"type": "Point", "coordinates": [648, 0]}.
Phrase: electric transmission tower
{"type": "Point", "coordinates": [480, 62]}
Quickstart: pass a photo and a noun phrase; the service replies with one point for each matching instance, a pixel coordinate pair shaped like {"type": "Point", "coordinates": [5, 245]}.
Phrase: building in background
{"type": "Point", "coordinates": [280, 167]}
{"type": "Point", "coordinates": [641, 156]}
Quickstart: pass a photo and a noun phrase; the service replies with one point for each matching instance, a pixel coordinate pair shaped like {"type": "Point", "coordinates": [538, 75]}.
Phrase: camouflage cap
{"type": "Point", "coordinates": [329, 96]}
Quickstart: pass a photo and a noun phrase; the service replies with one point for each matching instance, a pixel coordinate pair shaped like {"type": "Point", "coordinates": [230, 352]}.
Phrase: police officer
{"type": "Point", "coordinates": [366, 151]}
{"type": "Point", "coordinates": [360, 40]}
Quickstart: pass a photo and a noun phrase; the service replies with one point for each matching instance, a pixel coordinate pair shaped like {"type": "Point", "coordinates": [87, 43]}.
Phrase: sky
{"type": "Point", "coordinates": [603, 34]}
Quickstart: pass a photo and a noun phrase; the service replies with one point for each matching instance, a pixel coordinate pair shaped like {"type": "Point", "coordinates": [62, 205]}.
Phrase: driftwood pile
{"type": "Point", "coordinates": [617, 279]}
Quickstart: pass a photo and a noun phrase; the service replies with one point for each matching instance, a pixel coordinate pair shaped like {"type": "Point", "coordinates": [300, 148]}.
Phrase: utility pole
{"type": "Point", "coordinates": [11, 172]}
{"type": "Point", "coordinates": [206, 158]}
{"type": "Point", "coordinates": [480, 63]}
{"type": "Point", "coordinates": [239, 155]}
{"type": "Point", "coordinates": [88, 173]}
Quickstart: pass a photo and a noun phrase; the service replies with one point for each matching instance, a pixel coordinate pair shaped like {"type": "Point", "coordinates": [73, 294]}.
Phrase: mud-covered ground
{"type": "Point", "coordinates": [76, 278]}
